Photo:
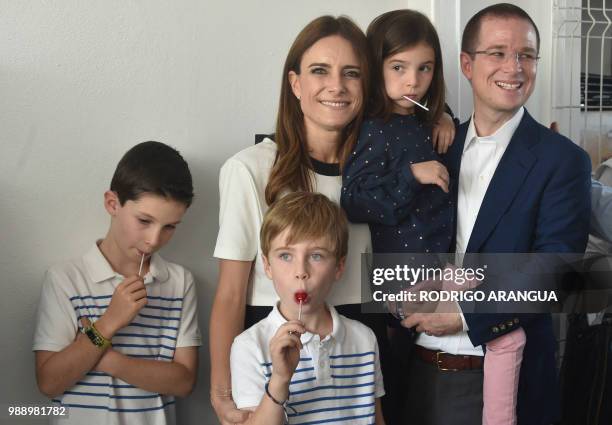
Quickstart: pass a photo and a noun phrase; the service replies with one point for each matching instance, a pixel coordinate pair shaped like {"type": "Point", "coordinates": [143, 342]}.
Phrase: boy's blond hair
{"type": "Point", "coordinates": [310, 216]}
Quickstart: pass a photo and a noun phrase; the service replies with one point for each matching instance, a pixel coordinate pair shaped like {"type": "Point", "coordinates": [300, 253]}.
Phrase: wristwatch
{"type": "Point", "coordinates": [96, 337]}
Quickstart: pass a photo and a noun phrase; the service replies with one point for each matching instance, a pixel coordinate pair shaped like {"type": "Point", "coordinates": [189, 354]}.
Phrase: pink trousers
{"type": "Point", "coordinates": [502, 365]}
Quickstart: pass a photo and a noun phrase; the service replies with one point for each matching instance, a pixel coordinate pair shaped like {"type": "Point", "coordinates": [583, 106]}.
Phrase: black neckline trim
{"type": "Point", "coordinates": [325, 168]}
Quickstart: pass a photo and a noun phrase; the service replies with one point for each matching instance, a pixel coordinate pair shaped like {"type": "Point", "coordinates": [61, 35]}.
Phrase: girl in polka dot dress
{"type": "Point", "coordinates": [397, 182]}
{"type": "Point", "coordinates": [394, 180]}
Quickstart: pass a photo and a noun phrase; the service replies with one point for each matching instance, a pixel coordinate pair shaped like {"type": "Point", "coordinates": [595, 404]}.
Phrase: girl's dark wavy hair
{"type": "Point", "coordinates": [390, 33]}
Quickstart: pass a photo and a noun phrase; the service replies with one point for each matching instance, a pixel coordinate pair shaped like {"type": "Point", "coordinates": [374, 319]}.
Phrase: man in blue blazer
{"type": "Point", "coordinates": [521, 189]}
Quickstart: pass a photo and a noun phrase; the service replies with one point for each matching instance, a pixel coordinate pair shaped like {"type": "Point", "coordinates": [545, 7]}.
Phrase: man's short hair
{"type": "Point", "coordinates": [153, 168]}
{"type": "Point", "coordinates": [309, 216]}
{"type": "Point", "coordinates": [499, 10]}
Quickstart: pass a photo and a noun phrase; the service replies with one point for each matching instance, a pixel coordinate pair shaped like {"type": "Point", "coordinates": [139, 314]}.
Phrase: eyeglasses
{"type": "Point", "coordinates": [501, 56]}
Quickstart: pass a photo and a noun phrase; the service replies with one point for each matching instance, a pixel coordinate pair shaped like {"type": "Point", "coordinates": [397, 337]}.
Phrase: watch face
{"type": "Point", "coordinates": [91, 334]}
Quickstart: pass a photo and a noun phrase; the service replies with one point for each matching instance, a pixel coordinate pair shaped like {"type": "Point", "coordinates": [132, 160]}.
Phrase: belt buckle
{"type": "Point", "coordinates": [439, 362]}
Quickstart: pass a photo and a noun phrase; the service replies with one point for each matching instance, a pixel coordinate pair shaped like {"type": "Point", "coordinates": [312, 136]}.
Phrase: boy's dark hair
{"type": "Point", "coordinates": [152, 167]}
{"type": "Point", "coordinates": [390, 33]}
{"type": "Point", "coordinates": [499, 10]}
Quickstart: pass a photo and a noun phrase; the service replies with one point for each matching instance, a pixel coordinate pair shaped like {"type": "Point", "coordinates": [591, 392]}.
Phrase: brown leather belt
{"type": "Point", "coordinates": [449, 362]}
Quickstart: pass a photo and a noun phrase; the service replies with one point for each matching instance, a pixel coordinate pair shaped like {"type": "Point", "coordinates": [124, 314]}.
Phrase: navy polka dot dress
{"type": "Point", "coordinates": [379, 188]}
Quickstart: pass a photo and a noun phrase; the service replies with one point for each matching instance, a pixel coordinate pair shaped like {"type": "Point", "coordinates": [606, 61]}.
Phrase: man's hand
{"type": "Point", "coordinates": [421, 304]}
{"type": "Point", "coordinates": [435, 318]}
{"type": "Point", "coordinates": [226, 410]}
{"type": "Point", "coordinates": [129, 298]}
{"type": "Point", "coordinates": [443, 133]}
{"type": "Point", "coordinates": [444, 320]}
{"type": "Point", "coordinates": [415, 304]}
{"type": "Point", "coordinates": [436, 324]}
{"type": "Point", "coordinates": [431, 172]}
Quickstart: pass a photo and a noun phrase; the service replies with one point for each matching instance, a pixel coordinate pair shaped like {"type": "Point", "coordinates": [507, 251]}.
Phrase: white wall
{"type": "Point", "coordinates": [80, 83]}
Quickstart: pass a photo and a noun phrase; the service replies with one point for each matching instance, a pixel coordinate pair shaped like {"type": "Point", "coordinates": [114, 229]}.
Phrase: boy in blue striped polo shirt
{"type": "Point", "coordinates": [117, 333]}
{"type": "Point", "coordinates": [305, 363]}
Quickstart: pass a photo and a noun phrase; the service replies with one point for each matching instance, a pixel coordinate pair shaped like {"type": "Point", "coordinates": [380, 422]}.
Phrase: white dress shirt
{"type": "Point", "coordinates": [480, 158]}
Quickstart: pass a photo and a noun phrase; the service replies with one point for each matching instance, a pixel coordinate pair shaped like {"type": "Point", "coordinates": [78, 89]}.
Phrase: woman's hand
{"type": "Point", "coordinates": [443, 133]}
{"type": "Point", "coordinates": [226, 319]}
{"type": "Point", "coordinates": [226, 410]}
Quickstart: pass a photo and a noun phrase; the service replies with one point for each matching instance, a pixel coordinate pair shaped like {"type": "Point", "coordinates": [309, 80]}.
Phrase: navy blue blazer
{"type": "Point", "coordinates": [538, 201]}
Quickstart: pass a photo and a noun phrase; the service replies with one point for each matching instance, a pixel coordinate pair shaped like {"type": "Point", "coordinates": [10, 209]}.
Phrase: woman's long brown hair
{"type": "Point", "coordinates": [291, 170]}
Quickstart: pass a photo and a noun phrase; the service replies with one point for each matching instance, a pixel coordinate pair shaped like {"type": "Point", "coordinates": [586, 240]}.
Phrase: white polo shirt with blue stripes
{"type": "Point", "coordinates": [336, 381]}
{"type": "Point", "coordinates": [83, 288]}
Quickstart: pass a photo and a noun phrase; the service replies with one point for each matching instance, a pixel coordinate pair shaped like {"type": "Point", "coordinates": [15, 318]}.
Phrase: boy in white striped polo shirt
{"type": "Point", "coordinates": [117, 333]}
{"type": "Point", "coordinates": [304, 363]}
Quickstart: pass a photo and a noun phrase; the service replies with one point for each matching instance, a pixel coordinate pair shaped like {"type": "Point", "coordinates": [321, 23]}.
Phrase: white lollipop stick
{"type": "Point", "coordinates": [141, 263]}
{"type": "Point", "coordinates": [416, 103]}
{"type": "Point", "coordinates": [299, 318]}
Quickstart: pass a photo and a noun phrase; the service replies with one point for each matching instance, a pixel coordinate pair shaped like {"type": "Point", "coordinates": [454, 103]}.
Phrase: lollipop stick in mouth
{"type": "Point", "coordinates": [300, 297]}
{"type": "Point", "coordinates": [416, 103]}
{"type": "Point", "coordinates": [141, 263]}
